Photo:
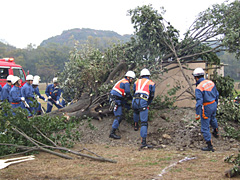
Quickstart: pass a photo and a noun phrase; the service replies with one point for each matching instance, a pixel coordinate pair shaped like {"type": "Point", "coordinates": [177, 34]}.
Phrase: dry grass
{"type": "Point", "coordinates": [132, 164]}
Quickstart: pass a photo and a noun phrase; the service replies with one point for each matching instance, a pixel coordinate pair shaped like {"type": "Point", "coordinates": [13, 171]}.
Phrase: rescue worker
{"type": "Point", "coordinates": [206, 106]}
{"type": "Point", "coordinates": [6, 88]}
{"type": "Point", "coordinates": [36, 91]}
{"type": "Point", "coordinates": [53, 93]}
{"type": "Point", "coordinates": [119, 92]}
{"type": "Point", "coordinates": [144, 90]}
{"type": "Point", "coordinates": [27, 92]}
{"type": "Point", "coordinates": [15, 96]}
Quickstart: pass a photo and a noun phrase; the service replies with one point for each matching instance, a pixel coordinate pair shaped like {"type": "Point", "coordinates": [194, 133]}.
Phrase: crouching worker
{"type": "Point", "coordinates": [53, 93]}
{"type": "Point", "coordinates": [120, 91]}
{"type": "Point", "coordinates": [36, 91]}
{"type": "Point", "coordinates": [206, 106]}
{"type": "Point", "coordinates": [144, 90]}
{"type": "Point", "coordinates": [15, 96]}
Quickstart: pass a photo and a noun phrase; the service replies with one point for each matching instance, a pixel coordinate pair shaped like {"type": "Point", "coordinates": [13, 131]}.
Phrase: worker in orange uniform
{"type": "Point", "coordinates": [206, 107]}
{"type": "Point", "coordinates": [144, 90]}
{"type": "Point", "coordinates": [118, 96]}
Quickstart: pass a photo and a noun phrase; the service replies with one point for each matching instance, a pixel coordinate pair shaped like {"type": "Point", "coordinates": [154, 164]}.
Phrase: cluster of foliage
{"type": "Point", "coordinates": [54, 128]}
{"type": "Point", "coordinates": [234, 159]}
{"type": "Point", "coordinates": [224, 85]}
{"type": "Point", "coordinates": [87, 70]}
{"type": "Point", "coordinates": [228, 115]}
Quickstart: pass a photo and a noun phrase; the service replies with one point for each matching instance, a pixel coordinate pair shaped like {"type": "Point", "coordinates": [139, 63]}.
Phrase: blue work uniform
{"type": "Point", "coordinates": [144, 90]}
{"type": "Point", "coordinates": [27, 92]}
{"type": "Point", "coordinates": [206, 106]}
{"type": "Point", "coordinates": [120, 90]}
{"type": "Point", "coordinates": [36, 91]}
{"type": "Point", "coordinates": [15, 97]}
{"type": "Point", "coordinates": [5, 92]}
{"type": "Point", "coordinates": [55, 93]}
{"type": "Point", "coordinates": [0, 90]}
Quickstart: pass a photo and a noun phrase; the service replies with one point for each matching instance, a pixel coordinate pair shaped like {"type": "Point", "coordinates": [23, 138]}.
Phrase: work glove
{"type": "Point", "coordinates": [197, 117]}
{"type": "Point", "coordinates": [22, 98]}
{"type": "Point", "coordinates": [49, 97]}
{"type": "Point", "coordinates": [45, 100]}
{"type": "Point", "coordinates": [37, 97]}
{"type": "Point", "coordinates": [57, 102]}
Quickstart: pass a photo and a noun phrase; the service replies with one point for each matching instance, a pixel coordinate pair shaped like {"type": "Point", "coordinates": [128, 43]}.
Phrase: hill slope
{"type": "Point", "coordinates": [69, 37]}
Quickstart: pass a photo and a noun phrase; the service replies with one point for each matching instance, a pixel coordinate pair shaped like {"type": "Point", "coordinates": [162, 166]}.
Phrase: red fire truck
{"type": "Point", "coordinates": [8, 67]}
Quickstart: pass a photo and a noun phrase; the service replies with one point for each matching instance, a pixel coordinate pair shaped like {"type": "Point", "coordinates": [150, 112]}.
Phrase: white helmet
{"type": "Point", "coordinates": [37, 78]}
{"type": "Point", "coordinates": [55, 80]}
{"type": "Point", "coordinates": [145, 72]}
{"type": "Point", "coordinates": [14, 79]}
{"type": "Point", "coordinates": [35, 82]}
{"type": "Point", "coordinates": [29, 77]}
{"type": "Point", "coordinates": [130, 74]}
{"type": "Point", "coordinates": [9, 77]}
{"type": "Point", "coordinates": [198, 72]}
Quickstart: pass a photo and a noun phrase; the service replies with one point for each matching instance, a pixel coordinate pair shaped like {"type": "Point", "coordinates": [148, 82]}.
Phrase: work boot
{"type": "Point", "coordinates": [209, 147]}
{"type": "Point", "coordinates": [113, 135]}
{"type": "Point", "coordinates": [136, 126]}
{"type": "Point", "coordinates": [215, 133]}
{"type": "Point", "coordinates": [144, 144]}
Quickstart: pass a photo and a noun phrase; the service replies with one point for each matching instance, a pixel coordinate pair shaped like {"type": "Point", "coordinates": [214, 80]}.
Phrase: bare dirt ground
{"type": "Point", "coordinates": [175, 134]}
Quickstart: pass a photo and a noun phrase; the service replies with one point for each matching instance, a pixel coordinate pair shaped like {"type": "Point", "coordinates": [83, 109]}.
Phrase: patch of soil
{"type": "Point", "coordinates": [174, 129]}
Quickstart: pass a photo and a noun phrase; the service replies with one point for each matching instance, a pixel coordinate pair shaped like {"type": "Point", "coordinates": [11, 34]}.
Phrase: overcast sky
{"type": "Point", "coordinates": [31, 21]}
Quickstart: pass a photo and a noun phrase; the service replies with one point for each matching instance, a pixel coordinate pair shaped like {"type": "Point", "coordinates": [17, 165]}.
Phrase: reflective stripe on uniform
{"type": "Point", "coordinates": [140, 88]}
{"type": "Point", "coordinates": [117, 87]}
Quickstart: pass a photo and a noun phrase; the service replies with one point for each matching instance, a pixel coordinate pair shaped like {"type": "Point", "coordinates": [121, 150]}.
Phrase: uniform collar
{"type": "Point", "coordinates": [199, 81]}
{"type": "Point", "coordinates": [127, 79]}
{"type": "Point", "coordinates": [146, 77]}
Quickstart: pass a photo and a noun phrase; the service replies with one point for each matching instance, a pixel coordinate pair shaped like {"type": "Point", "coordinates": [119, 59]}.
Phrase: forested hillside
{"type": "Point", "coordinates": [49, 58]}
{"type": "Point", "coordinates": [98, 38]}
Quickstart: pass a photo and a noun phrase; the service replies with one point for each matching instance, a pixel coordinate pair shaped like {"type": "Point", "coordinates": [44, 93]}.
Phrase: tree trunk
{"type": "Point", "coordinates": [92, 106]}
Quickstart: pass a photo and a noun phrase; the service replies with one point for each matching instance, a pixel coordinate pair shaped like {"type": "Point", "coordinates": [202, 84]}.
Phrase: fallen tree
{"type": "Point", "coordinates": [90, 74]}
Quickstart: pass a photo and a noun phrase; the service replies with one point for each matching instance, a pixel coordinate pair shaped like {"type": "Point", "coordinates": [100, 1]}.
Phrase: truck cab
{"type": "Point", "coordinates": [8, 67]}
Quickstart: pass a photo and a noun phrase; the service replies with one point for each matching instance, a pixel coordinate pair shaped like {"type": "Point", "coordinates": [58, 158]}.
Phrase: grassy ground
{"type": "Point", "coordinates": [131, 164]}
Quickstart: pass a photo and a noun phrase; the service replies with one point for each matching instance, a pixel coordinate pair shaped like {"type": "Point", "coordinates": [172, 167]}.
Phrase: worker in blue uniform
{"type": "Point", "coordinates": [206, 107]}
{"type": "Point", "coordinates": [118, 96]}
{"type": "Point", "coordinates": [144, 90]}
{"type": "Point", "coordinates": [6, 89]}
{"type": "Point", "coordinates": [27, 92]}
{"type": "Point", "coordinates": [36, 91]}
{"type": "Point", "coordinates": [15, 97]}
{"type": "Point", "coordinates": [53, 93]}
